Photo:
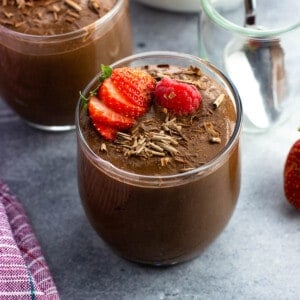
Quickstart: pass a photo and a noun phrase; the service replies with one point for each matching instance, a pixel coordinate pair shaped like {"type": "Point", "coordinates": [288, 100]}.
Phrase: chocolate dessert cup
{"type": "Point", "coordinates": [41, 73]}
{"type": "Point", "coordinates": [160, 219]}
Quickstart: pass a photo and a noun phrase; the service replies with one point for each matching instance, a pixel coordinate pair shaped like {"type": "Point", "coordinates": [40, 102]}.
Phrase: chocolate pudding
{"type": "Point", "coordinates": [162, 191]}
{"type": "Point", "coordinates": [50, 49]}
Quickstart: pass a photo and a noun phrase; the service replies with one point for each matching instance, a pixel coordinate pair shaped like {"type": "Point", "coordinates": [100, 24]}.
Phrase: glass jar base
{"type": "Point", "coordinates": [53, 128]}
{"type": "Point", "coordinates": [167, 262]}
{"type": "Point", "coordinates": [250, 127]}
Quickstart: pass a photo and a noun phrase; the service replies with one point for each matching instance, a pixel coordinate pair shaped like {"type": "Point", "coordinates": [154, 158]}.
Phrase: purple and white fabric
{"type": "Point", "coordinates": [24, 273]}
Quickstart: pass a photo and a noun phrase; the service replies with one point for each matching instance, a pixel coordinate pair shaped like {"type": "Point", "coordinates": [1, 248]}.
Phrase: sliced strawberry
{"type": "Point", "coordinates": [178, 97]}
{"type": "Point", "coordinates": [107, 132]}
{"type": "Point", "coordinates": [114, 99]}
{"type": "Point", "coordinates": [292, 175]}
{"type": "Point", "coordinates": [123, 95]}
{"type": "Point", "coordinates": [101, 114]}
{"type": "Point", "coordinates": [135, 85]}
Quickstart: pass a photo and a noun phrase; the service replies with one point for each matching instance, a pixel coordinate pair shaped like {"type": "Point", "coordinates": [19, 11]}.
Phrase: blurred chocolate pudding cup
{"type": "Point", "coordinates": [48, 59]}
{"type": "Point", "coordinates": [161, 219]}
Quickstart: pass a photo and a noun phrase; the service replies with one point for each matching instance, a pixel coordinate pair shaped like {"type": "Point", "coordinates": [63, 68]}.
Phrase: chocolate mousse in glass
{"type": "Point", "coordinates": [166, 203]}
{"type": "Point", "coordinates": [50, 49]}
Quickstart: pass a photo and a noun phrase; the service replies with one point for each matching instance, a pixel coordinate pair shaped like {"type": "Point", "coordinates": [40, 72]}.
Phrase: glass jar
{"type": "Point", "coordinates": [160, 220]}
{"type": "Point", "coordinates": [261, 59]}
{"type": "Point", "coordinates": [41, 76]}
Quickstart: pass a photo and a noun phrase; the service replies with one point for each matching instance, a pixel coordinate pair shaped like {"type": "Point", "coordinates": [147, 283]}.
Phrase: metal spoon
{"type": "Point", "coordinates": [256, 66]}
{"type": "Point", "coordinates": [250, 12]}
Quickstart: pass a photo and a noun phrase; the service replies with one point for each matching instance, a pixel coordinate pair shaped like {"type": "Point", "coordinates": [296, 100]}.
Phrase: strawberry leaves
{"type": "Point", "coordinates": [106, 72]}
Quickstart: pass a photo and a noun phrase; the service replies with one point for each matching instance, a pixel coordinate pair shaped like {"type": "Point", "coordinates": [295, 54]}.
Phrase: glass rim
{"type": "Point", "coordinates": [165, 180]}
{"type": "Point", "coordinates": [210, 10]}
{"type": "Point", "coordinates": [68, 35]}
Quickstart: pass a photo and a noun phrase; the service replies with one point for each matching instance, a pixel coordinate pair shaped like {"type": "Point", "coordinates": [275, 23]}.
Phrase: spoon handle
{"type": "Point", "coordinates": [250, 10]}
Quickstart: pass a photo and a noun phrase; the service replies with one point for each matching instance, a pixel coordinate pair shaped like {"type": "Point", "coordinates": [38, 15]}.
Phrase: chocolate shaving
{"type": "Point", "coordinates": [103, 147]}
{"type": "Point", "coordinates": [216, 140]}
{"type": "Point", "coordinates": [73, 5]}
{"type": "Point", "coordinates": [8, 15]}
{"type": "Point", "coordinates": [54, 8]}
{"type": "Point", "coordinates": [218, 101]}
{"type": "Point", "coordinates": [94, 5]}
{"type": "Point", "coordinates": [214, 135]}
{"type": "Point", "coordinates": [20, 3]}
{"type": "Point", "coordinates": [37, 17]}
{"type": "Point", "coordinates": [19, 24]}
{"type": "Point", "coordinates": [69, 19]}
{"type": "Point", "coordinates": [73, 14]}
{"type": "Point", "coordinates": [209, 127]}
{"type": "Point", "coordinates": [145, 141]}
{"type": "Point", "coordinates": [165, 161]}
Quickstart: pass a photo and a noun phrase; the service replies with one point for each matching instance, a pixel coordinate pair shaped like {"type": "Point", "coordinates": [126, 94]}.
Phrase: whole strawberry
{"type": "Point", "coordinates": [292, 175]}
{"type": "Point", "coordinates": [179, 98]}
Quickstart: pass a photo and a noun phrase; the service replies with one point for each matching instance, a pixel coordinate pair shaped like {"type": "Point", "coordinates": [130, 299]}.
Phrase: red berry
{"type": "Point", "coordinates": [101, 114]}
{"type": "Point", "coordinates": [292, 175]}
{"type": "Point", "coordinates": [124, 95]}
{"type": "Point", "coordinates": [107, 132]}
{"type": "Point", "coordinates": [111, 96]}
{"type": "Point", "coordinates": [180, 98]}
{"type": "Point", "coordinates": [135, 85]}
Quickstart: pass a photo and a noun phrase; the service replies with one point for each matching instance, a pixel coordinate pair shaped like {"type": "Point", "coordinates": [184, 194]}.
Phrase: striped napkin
{"type": "Point", "coordinates": [24, 273]}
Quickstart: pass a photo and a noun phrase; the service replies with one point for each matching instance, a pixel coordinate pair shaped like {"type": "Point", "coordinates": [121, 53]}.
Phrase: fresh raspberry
{"type": "Point", "coordinates": [179, 98]}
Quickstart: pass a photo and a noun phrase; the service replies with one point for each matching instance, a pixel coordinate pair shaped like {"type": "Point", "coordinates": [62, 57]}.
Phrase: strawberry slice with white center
{"type": "Point", "coordinates": [114, 99]}
{"type": "Point", "coordinates": [101, 114]}
{"type": "Point", "coordinates": [136, 85]}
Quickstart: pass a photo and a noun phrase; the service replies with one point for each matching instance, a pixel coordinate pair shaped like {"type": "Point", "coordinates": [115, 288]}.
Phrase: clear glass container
{"type": "Point", "coordinates": [261, 59]}
{"type": "Point", "coordinates": [41, 76]}
{"type": "Point", "coordinates": [161, 220]}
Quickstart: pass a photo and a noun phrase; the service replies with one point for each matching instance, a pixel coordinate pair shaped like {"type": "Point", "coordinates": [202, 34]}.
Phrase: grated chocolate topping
{"type": "Point", "coordinates": [51, 16]}
{"type": "Point", "coordinates": [164, 144]}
